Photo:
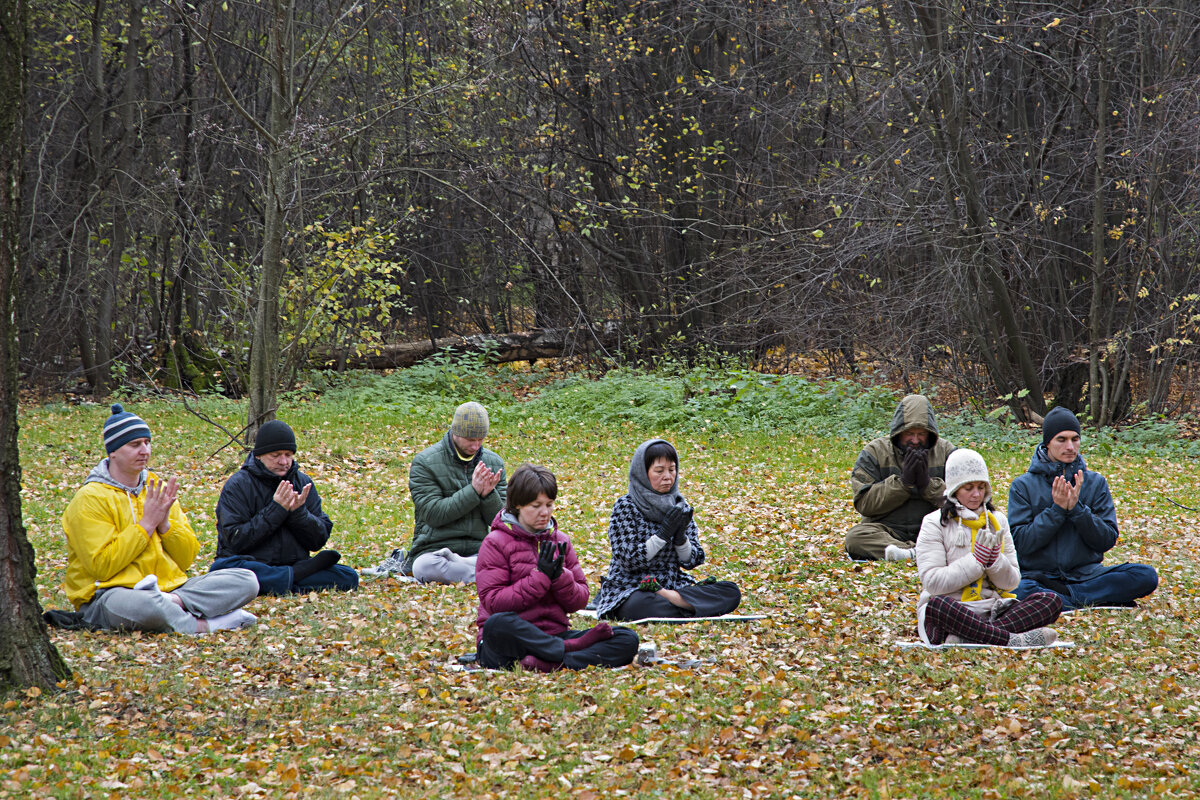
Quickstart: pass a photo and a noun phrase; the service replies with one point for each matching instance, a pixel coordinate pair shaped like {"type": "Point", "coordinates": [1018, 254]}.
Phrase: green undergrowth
{"type": "Point", "coordinates": [696, 399]}
{"type": "Point", "coordinates": [351, 696]}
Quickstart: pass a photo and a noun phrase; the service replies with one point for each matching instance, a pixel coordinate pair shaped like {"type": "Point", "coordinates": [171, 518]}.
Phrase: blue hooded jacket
{"type": "Point", "coordinates": [1064, 545]}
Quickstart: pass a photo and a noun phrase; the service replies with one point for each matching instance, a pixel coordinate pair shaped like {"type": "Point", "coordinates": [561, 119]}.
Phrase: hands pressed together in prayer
{"type": "Point", "coordinates": [915, 469]}
{"type": "Point", "coordinates": [156, 508]}
{"type": "Point", "coordinates": [1066, 493]}
{"type": "Point", "coordinates": [550, 558]}
{"type": "Point", "coordinates": [287, 496]}
{"type": "Point", "coordinates": [675, 525]}
{"type": "Point", "coordinates": [987, 547]}
{"type": "Point", "coordinates": [484, 480]}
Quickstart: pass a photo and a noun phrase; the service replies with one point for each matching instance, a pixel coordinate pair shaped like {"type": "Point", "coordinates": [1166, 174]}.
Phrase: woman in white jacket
{"type": "Point", "coordinates": [968, 568]}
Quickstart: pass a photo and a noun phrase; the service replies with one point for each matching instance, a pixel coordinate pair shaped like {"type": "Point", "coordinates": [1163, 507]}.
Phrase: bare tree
{"type": "Point", "coordinates": [296, 58]}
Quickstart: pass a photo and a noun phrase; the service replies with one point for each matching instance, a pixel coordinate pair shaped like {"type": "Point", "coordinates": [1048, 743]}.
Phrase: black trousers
{"type": "Point", "coordinates": [708, 600]}
{"type": "Point", "coordinates": [507, 639]}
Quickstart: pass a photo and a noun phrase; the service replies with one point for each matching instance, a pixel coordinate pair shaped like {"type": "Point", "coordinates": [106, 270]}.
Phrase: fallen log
{"type": "Point", "coordinates": [500, 348]}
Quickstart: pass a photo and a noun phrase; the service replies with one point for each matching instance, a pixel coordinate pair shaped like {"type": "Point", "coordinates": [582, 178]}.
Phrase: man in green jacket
{"type": "Point", "coordinates": [897, 480]}
{"type": "Point", "coordinates": [457, 488]}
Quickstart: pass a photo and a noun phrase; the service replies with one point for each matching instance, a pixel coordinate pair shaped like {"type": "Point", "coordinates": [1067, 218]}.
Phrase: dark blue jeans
{"type": "Point", "coordinates": [279, 579]}
{"type": "Point", "coordinates": [1116, 586]}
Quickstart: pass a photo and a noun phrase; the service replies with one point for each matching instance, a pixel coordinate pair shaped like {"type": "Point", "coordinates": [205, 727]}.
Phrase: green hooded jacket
{"type": "Point", "coordinates": [879, 495]}
{"type": "Point", "coordinates": [447, 510]}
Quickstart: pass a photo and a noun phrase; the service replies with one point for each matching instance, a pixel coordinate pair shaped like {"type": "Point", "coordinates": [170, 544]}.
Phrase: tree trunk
{"type": "Point", "coordinates": [264, 346]}
{"type": "Point", "coordinates": [1096, 315]}
{"type": "Point", "coordinates": [27, 656]}
{"type": "Point", "coordinates": [501, 348]}
{"type": "Point", "coordinates": [101, 345]}
{"type": "Point", "coordinates": [962, 180]}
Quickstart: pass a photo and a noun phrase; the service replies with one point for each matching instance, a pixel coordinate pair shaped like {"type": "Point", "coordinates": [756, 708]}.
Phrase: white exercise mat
{"type": "Point", "coordinates": [588, 612]}
{"type": "Point", "coordinates": [974, 646]}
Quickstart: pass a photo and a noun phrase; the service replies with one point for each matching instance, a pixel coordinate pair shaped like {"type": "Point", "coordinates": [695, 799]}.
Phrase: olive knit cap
{"type": "Point", "coordinates": [122, 428]}
{"type": "Point", "coordinates": [470, 421]}
{"type": "Point", "coordinates": [274, 436]}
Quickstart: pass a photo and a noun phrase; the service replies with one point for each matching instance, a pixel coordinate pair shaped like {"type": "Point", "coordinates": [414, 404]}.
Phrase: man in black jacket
{"type": "Point", "coordinates": [269, 521]}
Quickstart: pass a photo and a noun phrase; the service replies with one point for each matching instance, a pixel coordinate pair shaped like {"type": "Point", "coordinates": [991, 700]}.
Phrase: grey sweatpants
{"type": "Point", "coordinates": [444, 566]}
{"type": "Point", "coordinates": [203, 596]}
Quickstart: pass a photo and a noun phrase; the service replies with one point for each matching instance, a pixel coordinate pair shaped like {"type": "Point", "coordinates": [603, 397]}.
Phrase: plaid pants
{"type": "Point", "coordinates": [944, 616]}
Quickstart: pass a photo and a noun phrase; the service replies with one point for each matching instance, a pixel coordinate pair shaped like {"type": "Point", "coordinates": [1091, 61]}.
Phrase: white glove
{"type": "Point", "coordinates": [988, 538]}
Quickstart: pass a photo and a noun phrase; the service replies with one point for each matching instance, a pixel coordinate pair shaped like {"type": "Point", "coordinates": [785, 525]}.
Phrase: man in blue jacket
{"type": "Point", "coordinates": [1063, 521]}
{"type": "Point", "coordinates": [269, 521]}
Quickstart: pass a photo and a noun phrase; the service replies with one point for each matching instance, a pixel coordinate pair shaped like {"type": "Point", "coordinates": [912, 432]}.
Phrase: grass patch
{"type": "Point", "coordinates": [348, 695]}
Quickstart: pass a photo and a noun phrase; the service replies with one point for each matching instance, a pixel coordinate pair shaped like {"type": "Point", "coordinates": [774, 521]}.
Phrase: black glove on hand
{"type": "Point", "coordinates": [921, 470]}
{"type": "Point", "coordinates": [560, 562]}
{"type": "Point", "coordinates": [681, 531]}
{"type": "Point", "coordinates": [550, 559]}
{"type": "Point", "coordinates": [908, 468]}
{"type": "Point", "coordinates": [675, 520]}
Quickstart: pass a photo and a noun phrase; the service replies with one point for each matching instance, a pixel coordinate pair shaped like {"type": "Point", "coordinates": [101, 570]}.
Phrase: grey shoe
{"type": "Point", "coordinates": [1038, 637]}
{"type": "Point", "coordinates": [393, 564]}
{"type": "Point", "coordinates": [894, 553]}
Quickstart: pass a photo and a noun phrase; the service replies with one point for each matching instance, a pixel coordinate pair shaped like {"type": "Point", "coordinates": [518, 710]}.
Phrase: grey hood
{"type": "Point", "coordinates": [100, 474]}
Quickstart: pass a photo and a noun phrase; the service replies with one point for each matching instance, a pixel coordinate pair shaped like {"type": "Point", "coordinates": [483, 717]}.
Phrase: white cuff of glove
{"type": "Point", "coordinates": [654, 545]}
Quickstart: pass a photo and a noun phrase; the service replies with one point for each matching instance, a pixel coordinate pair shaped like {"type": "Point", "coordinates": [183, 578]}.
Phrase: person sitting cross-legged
{"type": "Point", "coordinates": [655, 544]}
{"type": "Point", "coordinates": [1064, 521]}
{"type": "Point", "coordinates": [897, 480]}
{"type": "Point", "coordinates": [269, 521]}
{"type": "Point", "coordinates": [968, 569]}
{"type": "Point", "coordinates": [529, 581]}
{"type": "Point", "coordinates": [457, 488]}
{"type": "Point", "coordinates": [130, 544]}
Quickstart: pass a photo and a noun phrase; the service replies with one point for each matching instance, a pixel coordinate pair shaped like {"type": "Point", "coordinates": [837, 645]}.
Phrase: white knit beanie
{"type": "Point", "coordinates": [966, 466]}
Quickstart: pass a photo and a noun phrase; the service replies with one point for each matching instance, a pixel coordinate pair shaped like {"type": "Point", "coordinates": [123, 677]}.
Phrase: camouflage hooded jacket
{"type": "Point", "coordinates": [879, 494]}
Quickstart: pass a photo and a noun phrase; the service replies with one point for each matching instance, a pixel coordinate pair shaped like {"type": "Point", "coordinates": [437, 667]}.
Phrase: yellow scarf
{"type": "Point", "coordinates": [974, 591]}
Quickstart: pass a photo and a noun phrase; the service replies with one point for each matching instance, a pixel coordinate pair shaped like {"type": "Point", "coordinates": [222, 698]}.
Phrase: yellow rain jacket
{"type": "Point", "coordinates": [107, 547]}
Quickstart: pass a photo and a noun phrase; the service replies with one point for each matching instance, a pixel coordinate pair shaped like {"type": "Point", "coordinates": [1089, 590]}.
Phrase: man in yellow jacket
{"type": "Point", "coordinates": [130, 545]}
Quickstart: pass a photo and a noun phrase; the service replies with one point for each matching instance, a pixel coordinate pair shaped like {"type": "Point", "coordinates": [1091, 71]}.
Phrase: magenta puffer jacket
{"type": "Point", "coordinates": [507, 578]}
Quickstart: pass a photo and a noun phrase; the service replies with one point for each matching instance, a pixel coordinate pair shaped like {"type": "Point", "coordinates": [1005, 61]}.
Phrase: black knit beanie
{"type": "Point", "coordinates": [1058, 420]}
{"type": "Point", "coordinates": [273, 436]}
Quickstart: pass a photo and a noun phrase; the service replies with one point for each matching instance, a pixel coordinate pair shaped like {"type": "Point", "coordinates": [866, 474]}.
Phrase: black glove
{"type": "Point", "coordinates": [675, 524]}
{"type": "Point", "coordinates": [560, 562]}
{"type": "Point", "coordinates": [681, 531]}
{"type": "Point", "coordinates": [921, 470]}
{"type": "Point", "coordinates": [550, 559]}
{"type": "Point", "coordinates": [915, 469]}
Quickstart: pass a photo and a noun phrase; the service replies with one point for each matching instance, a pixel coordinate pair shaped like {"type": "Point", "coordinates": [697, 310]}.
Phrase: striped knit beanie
{"type": "Point", "coordinates": [122, 428]}
{"type": "Point", "coordinates": [470, 421]}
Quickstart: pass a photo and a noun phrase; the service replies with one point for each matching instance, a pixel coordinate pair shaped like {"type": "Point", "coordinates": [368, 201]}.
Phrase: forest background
{"type": "Point", "coordinates": [1002, 194]}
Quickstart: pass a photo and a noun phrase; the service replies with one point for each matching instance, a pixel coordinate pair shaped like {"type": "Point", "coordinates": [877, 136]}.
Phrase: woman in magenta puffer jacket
{"type": "Point", "coordinates": [529, 581]}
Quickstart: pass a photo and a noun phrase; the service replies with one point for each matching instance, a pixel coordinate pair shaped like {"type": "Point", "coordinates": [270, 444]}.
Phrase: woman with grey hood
{"type": "Point", "coordinates": [654, 539]}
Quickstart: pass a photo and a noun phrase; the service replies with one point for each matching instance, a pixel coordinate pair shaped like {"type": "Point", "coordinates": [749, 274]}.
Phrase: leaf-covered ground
{"type": "Point", "coordinates": [350, 695]}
